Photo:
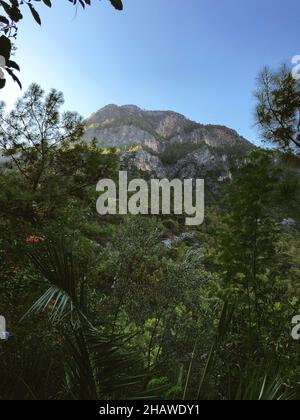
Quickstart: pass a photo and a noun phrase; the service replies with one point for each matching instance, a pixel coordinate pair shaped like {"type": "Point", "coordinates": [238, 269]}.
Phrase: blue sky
{"type": "Point", "coordinates": [196, 57]}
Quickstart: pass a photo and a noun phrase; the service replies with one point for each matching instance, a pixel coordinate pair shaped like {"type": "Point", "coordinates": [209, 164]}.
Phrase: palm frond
{"type": "Point", "coordinates": [100, 365]}
{"type": "Point", "coordinates": [258, 387]}
{"type": "Point", "coordinates": [65, 281]}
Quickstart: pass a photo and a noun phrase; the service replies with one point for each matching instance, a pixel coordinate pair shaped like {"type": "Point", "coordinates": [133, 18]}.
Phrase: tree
{"type": "Point", "coordinates": [248, 240]}
{"type": "Point", "coordinates": [31, 133]}
{"type": "Point", "coordinates": [11, 13]}
{"type": "Point", "coordinates": [251, 265]}
{"type": "Point", "coordinates": [278, 109]}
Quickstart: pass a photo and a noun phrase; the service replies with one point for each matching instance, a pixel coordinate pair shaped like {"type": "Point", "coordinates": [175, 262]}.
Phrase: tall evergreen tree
{"type": "Point", "coordinates": [278, 109]}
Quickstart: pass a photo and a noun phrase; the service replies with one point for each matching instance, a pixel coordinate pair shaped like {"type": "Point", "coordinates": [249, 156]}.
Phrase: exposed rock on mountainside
{"type": "Point", "coordinates": [167, 144]}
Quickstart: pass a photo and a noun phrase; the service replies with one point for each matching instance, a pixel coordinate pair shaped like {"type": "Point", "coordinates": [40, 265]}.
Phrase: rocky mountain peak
{"type": "Point", "coordinates": [126, 125]}
{"type": "Point", "coordinates": [165, 143]}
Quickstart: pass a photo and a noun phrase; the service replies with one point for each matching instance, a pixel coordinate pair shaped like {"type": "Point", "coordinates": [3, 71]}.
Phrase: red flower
{"type": "Point", "coordinates": [32, 239]}
{"type": "Point", "coordinates": [51, 305]}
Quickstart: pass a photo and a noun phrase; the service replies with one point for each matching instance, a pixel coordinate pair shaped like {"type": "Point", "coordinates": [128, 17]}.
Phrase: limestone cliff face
{"type": "Point", "coordinates": [166, 144]}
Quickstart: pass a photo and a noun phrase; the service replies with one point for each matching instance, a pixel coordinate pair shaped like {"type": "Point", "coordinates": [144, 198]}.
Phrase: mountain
{"type": "Point", "coordinates": [167, 144]}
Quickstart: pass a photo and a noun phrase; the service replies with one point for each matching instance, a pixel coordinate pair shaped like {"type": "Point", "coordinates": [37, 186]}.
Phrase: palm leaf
{"type": "Point", "coordinates": [65, 281]}
{"type": "Point", "coordinates": [257, 387]}
{"type": "Point", "coordinates": [99, 366]}
{"type": "Point", "coordinates": [96, 366]}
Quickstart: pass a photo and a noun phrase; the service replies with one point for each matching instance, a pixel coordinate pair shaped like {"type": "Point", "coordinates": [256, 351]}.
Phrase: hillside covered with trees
{"type": "Point", "coordinates": [142, 306]}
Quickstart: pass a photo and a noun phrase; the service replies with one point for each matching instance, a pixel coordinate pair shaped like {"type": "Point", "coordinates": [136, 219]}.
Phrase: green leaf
{"type": "Point", "coordinates": [35, 14]}
{"type": "Point", "coordinates": [117, 4]}
{"type": "Point", "coordinates": [5, 47]}
{"type": "Point", "coordinates": [47, 3]}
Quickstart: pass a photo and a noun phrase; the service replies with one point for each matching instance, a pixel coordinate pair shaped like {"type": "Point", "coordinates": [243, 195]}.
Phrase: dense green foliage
{"type": "Point", "coordinates": [102, 308]}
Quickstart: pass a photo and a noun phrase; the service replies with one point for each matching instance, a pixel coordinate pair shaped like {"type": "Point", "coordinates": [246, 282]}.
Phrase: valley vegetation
{"type": "Point", "coordinates": [122, 307]}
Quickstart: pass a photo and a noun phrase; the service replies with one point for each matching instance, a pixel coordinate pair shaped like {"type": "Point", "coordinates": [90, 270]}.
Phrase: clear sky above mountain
{"type": "Point", "coordinates": [196, 57]}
